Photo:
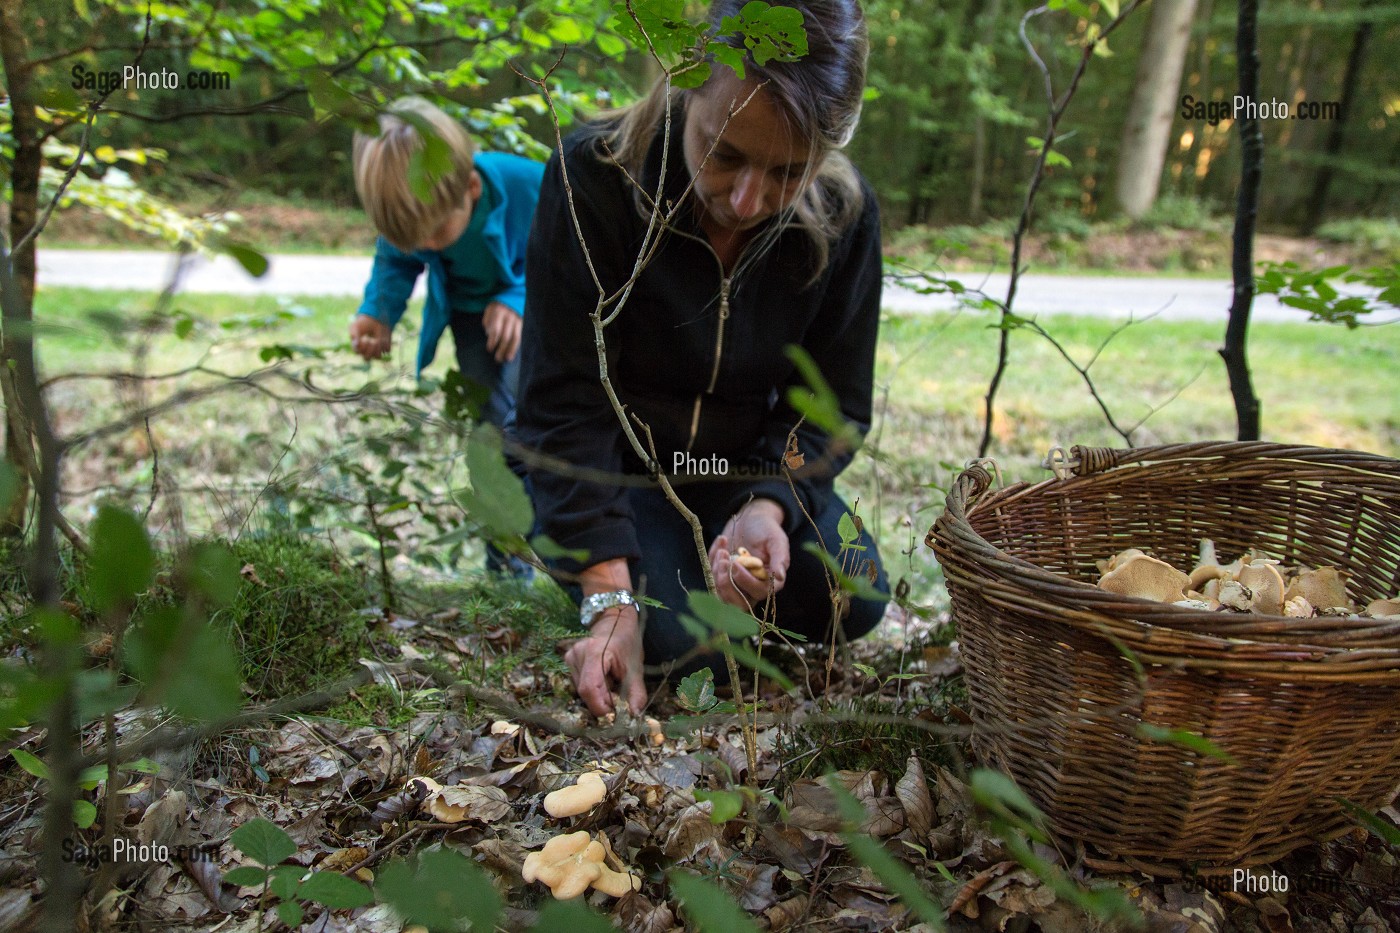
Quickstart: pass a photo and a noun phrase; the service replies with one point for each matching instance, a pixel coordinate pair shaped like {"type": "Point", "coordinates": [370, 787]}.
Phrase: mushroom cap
{"type": "Point", "coordinates": [1105, 566]}
{"type": "Point", "coordinates": [576, 798]}
{"type": "Point", "coordinates": [654, 731]}
{"type": "Point", "coordinates": [1231, 593]}
{"type": "Point", "coordinates": [1297, 608]}
{"type": "Point", "coordinates": [1384, 608]}
{"type": "Point", "coordinates": [1146, 578]}
{"type": "Point", "coordinates": [1325, 586]}
{"type": "Point", "coordinates": [616, 883]}
{"type": "Point", "coordinates": [1266, 586]}
{"type": "Point", "coordinates": [568, 864]}
{"type": "Point", "coordinates": [751, 563]}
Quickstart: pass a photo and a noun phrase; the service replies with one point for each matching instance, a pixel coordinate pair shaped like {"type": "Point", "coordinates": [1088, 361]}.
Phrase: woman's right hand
{"type": "Point", "coordinates": [369, 337]}
{"type": "Point", "coordinates": [608, 662]}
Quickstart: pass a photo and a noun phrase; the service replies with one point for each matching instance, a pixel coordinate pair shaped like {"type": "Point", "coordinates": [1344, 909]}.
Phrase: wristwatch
{"type": "Point", "coordinates": [594, 606]}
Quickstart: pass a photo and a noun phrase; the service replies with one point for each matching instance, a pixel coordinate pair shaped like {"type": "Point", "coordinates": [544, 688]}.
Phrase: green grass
{"type": "Point", "coordinates": [1318, 384]}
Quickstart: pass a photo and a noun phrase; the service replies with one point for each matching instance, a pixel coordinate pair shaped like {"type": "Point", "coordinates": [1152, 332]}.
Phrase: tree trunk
{"type": "Point", "coordinates": [1246, 212]}
{"type": "Point", "coordinates": [990, 19]}
{"type": "Point", "coordinates": [24, 210]}
{"type": "Point", "coordinates": [1147, 132]}
{"type": "Point", "coordinates": [1317, 200]}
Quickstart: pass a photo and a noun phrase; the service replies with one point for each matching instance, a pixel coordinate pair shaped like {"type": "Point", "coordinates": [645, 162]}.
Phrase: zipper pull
{"type": "Point", "coordinates": [724, 299]}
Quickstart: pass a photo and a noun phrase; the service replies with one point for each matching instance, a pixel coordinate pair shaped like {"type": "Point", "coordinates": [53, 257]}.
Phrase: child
{"type": "Point", "coordinates": [470, 235]}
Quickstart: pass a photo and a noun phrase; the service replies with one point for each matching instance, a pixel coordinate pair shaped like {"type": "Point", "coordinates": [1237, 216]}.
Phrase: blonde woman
{"type": "Point", "coordinates": [775, 242]}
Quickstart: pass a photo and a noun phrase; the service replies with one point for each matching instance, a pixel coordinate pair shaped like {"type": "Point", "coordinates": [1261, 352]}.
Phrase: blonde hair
{"type": "Point", "coordinates": [820, 94]}
{"type": "Point", "coordinates": [382, 171]}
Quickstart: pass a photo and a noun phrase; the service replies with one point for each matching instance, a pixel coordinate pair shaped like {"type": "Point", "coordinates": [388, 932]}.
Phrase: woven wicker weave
{"type": "Point", "coordinates": [1062, 675]}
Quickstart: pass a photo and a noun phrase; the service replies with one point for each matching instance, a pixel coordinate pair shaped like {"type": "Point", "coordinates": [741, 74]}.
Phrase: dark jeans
{"type": "Point", "coordinates": [498, 382]}
{"type": "Point", "coordinates": [479, 367]}
{"type": "Point", "coordinates": [671, 567]}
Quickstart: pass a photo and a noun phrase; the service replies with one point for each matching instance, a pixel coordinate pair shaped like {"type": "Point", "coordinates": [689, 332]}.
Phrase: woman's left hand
{"type": "Point", "coordinates": [759, 528]}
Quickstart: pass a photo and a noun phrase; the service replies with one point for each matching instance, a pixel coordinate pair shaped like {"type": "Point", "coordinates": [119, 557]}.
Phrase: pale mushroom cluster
{"type": "Point", "coordinates": [573, 863]}
{"type": "Point", "coordinates": [1252, 583]}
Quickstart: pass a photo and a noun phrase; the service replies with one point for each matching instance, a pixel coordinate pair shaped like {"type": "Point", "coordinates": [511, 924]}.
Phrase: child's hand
{"type": "Point", "coordinates": [369, 337]}
{"type": "Point", "coordinates": [502, 326]}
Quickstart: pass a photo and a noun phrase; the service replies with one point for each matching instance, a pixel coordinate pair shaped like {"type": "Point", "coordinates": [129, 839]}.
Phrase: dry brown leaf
{"type": "Point", "coordinates": [1274, 915]}
{"type": "Point", "coordinates": [679, 771]}
{"type": "Point", "coordinates": [912, 791]}
{"type": "Point", "coordinates": [163, 822]}
{"type": "Point", "coordinates": [757, 892]}
{"type": "Point", "coordinates": [966, 899]}
{"type": "Point", "coordinates": [462, 802]}
{"type": "Point", "coordinates": [343, 859]}
{"type": "Point", "coordinates": [692, 833]}
{"type": "Point", "coordinates": [14, 904]}
{"type": "Point", "coordinates": [786, 914]}
{"type": "Point", "coordinates": [884, 817]}
{"type": "Point", "coordinates": [503, 856]}
{"type": "Point", "coordinates": [1019, 892]}
{"type": "Point", "coordinates": [639, 915]}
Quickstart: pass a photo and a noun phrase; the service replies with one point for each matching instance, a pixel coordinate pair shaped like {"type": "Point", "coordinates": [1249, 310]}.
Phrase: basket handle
{"type": "Point", "coordinates": [1085, 461]}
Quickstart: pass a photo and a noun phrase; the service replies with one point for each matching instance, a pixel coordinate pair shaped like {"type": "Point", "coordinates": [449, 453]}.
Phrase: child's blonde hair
{"type": "Point", "coordinates": [381, 171]}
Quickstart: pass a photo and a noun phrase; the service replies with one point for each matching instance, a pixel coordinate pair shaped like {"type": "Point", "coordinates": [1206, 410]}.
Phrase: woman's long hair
{"type": "Point", "coordinates": [820, 94]}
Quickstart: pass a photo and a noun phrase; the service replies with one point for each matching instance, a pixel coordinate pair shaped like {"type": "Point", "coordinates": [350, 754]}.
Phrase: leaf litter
{"type": "Point", "coordinates": [469, 775]}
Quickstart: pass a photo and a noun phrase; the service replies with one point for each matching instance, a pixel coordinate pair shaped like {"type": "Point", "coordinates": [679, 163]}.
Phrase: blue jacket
{"type": "Point", "coordinates": [514, 186]}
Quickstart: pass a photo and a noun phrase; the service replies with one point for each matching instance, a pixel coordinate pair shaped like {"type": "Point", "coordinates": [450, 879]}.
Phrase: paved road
{"type": "Point", "coordinates": [1175, 299]}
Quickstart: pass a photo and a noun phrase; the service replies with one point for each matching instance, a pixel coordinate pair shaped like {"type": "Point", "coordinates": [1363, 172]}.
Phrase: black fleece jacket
{"type": "Point", "coordinates": [699, 357]}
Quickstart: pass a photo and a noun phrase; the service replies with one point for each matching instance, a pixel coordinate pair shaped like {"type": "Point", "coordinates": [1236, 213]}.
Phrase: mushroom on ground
{"type": "Point", "coordinates": [576, 798]}
{"type": "Point", "coordinates": [1265, 586]}
{"type": "Point", "coordinates": [568, 864]}
{"type": "Point", "coordinates": [654, 732]}
{"type": "Point", "coordinates": [572, 863]}
{"type": "Point", "coordinates": [1146, 578]}
{"type": "Point", "coordinates": [1325, 586]}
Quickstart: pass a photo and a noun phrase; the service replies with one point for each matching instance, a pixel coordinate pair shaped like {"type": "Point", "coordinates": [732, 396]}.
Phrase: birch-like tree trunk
{"type": "Point", "coordinates": [1147, 131]}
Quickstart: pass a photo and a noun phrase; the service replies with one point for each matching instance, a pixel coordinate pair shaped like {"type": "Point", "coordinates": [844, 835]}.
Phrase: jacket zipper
{"type": "Point", "coordinates": [724, 286]}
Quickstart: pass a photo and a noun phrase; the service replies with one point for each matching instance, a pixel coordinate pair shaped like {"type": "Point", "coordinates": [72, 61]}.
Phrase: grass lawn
{"type": "Point", "coordinates": [1318, 384]}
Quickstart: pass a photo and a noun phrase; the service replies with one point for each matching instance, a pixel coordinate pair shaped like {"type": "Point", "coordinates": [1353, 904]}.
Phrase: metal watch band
{"type": "Point", "coordinates": [595, 605]}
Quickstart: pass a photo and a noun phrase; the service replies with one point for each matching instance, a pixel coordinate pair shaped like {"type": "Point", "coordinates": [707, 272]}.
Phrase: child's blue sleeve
{"type": "Point", "coordinates": [390, 283]}
{"type": "Point", "coordinates": [521, 180]}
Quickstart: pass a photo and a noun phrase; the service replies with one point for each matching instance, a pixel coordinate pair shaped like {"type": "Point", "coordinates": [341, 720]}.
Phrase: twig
{"type": "Point", "coordinates": [1057, 110]}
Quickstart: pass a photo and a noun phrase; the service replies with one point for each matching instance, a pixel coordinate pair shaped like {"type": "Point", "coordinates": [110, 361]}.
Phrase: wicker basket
{"type": "Point", "coordinates": [1063, 675]}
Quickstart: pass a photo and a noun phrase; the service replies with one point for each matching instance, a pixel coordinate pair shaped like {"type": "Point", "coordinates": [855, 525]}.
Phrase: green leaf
{"type": "Point", "coordinates": [818, 403]}
{"type": "Point", "coordinates": [439, 890]}
{"type": "Point", "coordinates": [1377, 826]}
{"type": "Point", "coordinates": [858, 585]}
{"type": "Point", "coordinates": [719, 616]}
{"type": "Point", "coordinates": [724, 804]}
{"type": "Point", "coordinates": [886, 867]}
{"type": "Point", "coordinates": [122, 562]}
{"type": "Point", "coordinates": [263, 842]}
{"type": "Point", "coordinates": [290, 913]}
{"type": "Point", "coordinates": [696, 692]}
{"type": "Point", "coordinates": [254, 262]}
{"type": "Point", "coordinates": [141, 766]}
{"type": "Point", "coordinates": [30, 763]}
{"type": "Point", "coordinates": [1000, 796]}
{"type": "Point", "coordinates": [284, 880]}
{"type": "Point", "coordinates": [751, 659]}
{"type": "Point", "coordinates": [428, 165]}
{"type": "Point", "coordinates": [1110, 7]}
{"type": "Point", "coordinates": [84, 813]}
{"type": "Point", "coordinates": [497, 499]}
{"type": "Point", "coordinates": [89, 778]}
{"type": "Point", "coordinates": [574, 916]}
{"type": "Point", "coordinates": [1186, 739]}
{"type": "Point", "coordinates": [213, 571]}
{"type": "Point", "coordinates": [245, 876]}
{"type": "Point", "coordinates": [709, 908]}
{"type": "Point", "coordinates": [846, 528]}
{"type": "Point", "coordinates": [334, 890]}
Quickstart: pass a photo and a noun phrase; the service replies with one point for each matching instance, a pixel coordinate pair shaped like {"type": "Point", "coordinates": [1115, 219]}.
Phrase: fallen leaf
{"type": "Point", "coordinates": [463, 802]}
{"type": "Point", "coordinates": [787, 913]}
{"type": "Point", "coordinates": [756, 893]}
{"type": "Point", "coordinates": [1274, 915]}
{"type": "Point", "coordinates": [692, 833]}
{"type": "Point", "coordinates": [343, 859]}
{"type": "Point", "coordinates": [250, 573]}
{"type": "Point", "coordinates": [912, 791]}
